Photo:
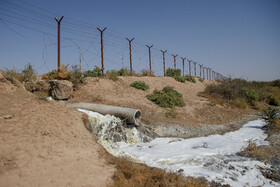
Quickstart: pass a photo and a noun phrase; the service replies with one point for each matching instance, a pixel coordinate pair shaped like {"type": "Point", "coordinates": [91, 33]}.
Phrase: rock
{"type": "Point", "coordinates": [61, 89]}
{"type": "Point", "coordinates": [9, 116]}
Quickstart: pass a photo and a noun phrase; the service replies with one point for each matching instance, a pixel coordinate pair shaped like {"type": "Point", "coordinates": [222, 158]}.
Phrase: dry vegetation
{"type": "Point", "coordinates": [243, 94]}
{"type": "Point", "coordinates": [131, 174]}
{"type": "Point", "coordinates": [259, 152]}
{"type": "Point", "coordinates": [268, 153]}
{"type": "Point", "coordinates": [239, 93]}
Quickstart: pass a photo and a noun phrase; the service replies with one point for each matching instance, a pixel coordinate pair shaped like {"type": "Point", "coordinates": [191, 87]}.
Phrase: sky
{"type": "Point", "coordinates": [239, 38]}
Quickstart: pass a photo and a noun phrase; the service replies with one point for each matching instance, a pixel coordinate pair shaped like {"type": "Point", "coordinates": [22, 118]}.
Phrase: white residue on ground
{"type": "Point", "coordinates": [213, 157]}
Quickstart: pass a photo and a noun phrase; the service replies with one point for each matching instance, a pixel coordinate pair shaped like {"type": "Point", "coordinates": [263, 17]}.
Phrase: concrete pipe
{"type": "Point", "coordinates": [130, 115]}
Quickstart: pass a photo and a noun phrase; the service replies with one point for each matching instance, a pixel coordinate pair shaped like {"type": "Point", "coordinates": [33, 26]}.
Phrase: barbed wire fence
{"type": "Point", "coordinates": [82, 41]}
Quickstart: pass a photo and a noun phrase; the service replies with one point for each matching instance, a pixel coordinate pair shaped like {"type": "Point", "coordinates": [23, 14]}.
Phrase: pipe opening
{"type": "Point", "coordinates": [137, 115]}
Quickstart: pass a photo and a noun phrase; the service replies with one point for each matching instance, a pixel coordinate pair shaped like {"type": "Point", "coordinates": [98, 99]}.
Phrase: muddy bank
{"type": "Point", "coordinates": [164, 129]}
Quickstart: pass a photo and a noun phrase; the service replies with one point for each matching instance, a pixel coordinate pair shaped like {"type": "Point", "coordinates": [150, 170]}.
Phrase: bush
{"type": "Point", "coordinates": [123, 72]}
{"type": "Point", "coordinates": [28, 73]}
{"type": "Point", "coordinates": [273, 101]}
{"type": "Point", "coordinates": [237, 90]}
{"type": "Point", "coordinates": [228, 90]}
{"type": "Point", "coordinates": [113, 75]}
{"type": "Point", "coordinates": [146, 72]}
{"type": "Point", "coordinates": [141, 85]}
{"type": "Point", "coordinates": [173, 72]}
{"type": "Point", "coordinates": [180, 79]}
{"type": "Point", "coordinates": [166, 98]}
{"type": "Point", "coordinates": [96, 72]}
{"type": "Point", "coordinates": [270, 115]}
{"type": "Point", "coordinates": [76, 76]}
{"type": "Point", "coordinates": [276, 83]}
{"type": "Point", "coordinates": [12, 75]}
{"type": "Point", "coordinates": [240, 103]}
{"type": "Point", "coordinates": [63, 74]}
{"type": "Point", "coordinates": [190, 78]}
{"type": "Point", "coordinates": [200, 79]}
{"type": "Point", "coordinates": [250, 94]}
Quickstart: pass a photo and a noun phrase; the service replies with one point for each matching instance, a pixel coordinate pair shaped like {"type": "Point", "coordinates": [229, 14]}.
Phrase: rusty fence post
{"type": "Point", "coordinates": [58, 42]}
{"type": "Point", "coordinates": [183, 61]}
{"type": "Point", "coordinates": [194, 65]}
{"type": "Point", "coordinates": [174, 56]}
{"type": "Point", "coordinates": [203, 72]}
{"type": "Point", "coordinates": [190, 71]}
{"type": "Point", "coordinates": [101, 36]}
{"type": "Point", "coordinates": [130, 57]}
{"type": "Point", "coordinates": [200, 66]}
{"type": "Point", "coordinates": [163, 61]}
{"type": "Point", "coordinates": [150, 58]}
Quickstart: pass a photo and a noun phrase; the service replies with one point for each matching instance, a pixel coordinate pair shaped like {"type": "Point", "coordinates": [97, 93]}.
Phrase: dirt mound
{"type": "Point", "coordinates": [197, 111]}
{"type": "Point", "coordinates": [46, 144]}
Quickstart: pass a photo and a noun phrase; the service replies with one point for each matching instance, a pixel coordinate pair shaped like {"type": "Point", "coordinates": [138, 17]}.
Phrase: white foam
{"type": "Point", "coordinates": [213, 157]}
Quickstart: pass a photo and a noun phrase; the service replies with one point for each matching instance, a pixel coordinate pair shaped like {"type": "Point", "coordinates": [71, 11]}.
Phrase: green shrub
{"type": "Point", "coordinates": [273, 101]}
{"type": "Point", "coordinates": [235, 91]}
{"type": "Point", "coordinates": [228, 90]}
{"type": "Point", "coordinates": [76, 76]}
{"type": "Point", "coordinates": [276, 83]}
{"type": "Point", "coordinates": [200, 79]}
{"type": "Point", "coordinates": [28, 73]}
{"type": "Point", "coordinates": [141, 85]}
{"type": "Point", "coordinates": [180, 79]}
{"type": "Point", "coordinates": [166, 98]}
{"type": "Point", "coordinates": [270, 115]}
{"type": "Point", "coordinates": [113, 75]}
{"type": "Point", "coordinates": [190, 78]}
{"type": "Point", "coordinates": [250, 94]}
{"type": "Point", "coordinates": [96, 72]}
{"type": "Point", "coordinates": [173, 72]}
{"type": "Point", "coordinates": [123, 72]}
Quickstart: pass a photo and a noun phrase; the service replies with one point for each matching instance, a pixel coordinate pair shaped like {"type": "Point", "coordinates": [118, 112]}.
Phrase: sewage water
{"type": "Point", "coordinates": [213, 157]}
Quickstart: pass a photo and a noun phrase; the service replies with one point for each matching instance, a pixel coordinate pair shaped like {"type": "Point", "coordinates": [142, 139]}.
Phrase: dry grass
{"type": "Point", "coordinates": [171, 113]}
{"type": "Point", "coordinates": [41, 95]}
{"type": "Point", "coordinates": [212, 99]}
{"type": "Point", "coordinates": [130, 174]}
{"type": "Point", "coordinates": [277, 124]}
{"type": "Point", "coordinates": [243, 94]}
{"type": "Point", "coordinates": [146, 72]}
{"type": "Point", "coordinates": [258, 152]}
{"type": "Point", "coordinates": [240, 103]}
{"type": "Point", "coordinates": [133, 174]}
{"type": "Point", "coordinates": [96, 99]}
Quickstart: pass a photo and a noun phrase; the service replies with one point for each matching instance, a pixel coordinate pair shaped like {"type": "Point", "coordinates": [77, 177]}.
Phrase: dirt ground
{"type": "Point", "coordinates": [197, 111]}
{"type": "Point", "coordinates": [43, 143]}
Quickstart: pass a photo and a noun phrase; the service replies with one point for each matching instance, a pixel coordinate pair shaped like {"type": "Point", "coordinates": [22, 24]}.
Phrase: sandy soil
{"type": "Point", "coordinates": [198, 110]}
{"type": "Point", "coordinates": [43, 143]}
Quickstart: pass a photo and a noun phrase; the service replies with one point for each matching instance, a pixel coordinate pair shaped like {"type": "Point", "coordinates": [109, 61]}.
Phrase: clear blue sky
{"type": "Point", "coordinates": [238, 37]}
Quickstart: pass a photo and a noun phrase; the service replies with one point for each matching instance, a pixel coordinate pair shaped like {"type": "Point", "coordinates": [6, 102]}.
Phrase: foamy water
{"type": "Point", "coordinates": [213, 157]}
